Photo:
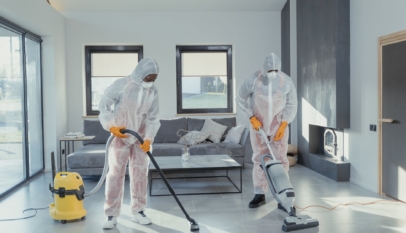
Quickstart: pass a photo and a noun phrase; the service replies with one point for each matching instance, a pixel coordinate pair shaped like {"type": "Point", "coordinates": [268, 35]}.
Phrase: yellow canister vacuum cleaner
{"type": "Point", "coordinates": [69, 190]}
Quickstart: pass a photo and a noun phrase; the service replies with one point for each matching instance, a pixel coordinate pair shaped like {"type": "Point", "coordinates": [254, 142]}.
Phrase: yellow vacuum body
{"type": "Point", "coordinates": [68, 194]}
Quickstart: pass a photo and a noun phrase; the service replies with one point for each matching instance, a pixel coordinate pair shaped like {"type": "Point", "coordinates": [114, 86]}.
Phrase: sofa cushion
{"type": "Point", "coordinates": [235, 133]}
{"type": "Point", "coordinates": [195, 124]}
{"type": "Point", "coordinates": [167, 133]}
{"type": "Point", "coordinates": [167, 149]}
{"type": "Point", "coordinates": [230, 122]}
{"type": "Point", "coordinates": [215, 130]}
{"type": "Point", "coordinates": [89, 156]}
{"type": "Point", "coordinates": [193, 138]}
{"type": "Point", "coordinates": [206, 149]}
{"type": "Point", "coordinates": [94, 128]}
{"type": "Point", "coordinates": [232, 149]}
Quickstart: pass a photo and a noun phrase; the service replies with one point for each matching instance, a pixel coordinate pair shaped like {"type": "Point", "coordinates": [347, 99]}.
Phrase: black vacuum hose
{"type": "Point", "coordinates": [194, 227]}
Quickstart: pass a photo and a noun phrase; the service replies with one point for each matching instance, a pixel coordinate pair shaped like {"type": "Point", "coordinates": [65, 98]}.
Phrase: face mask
{"type": "Point", "coordinates": [271, 75]}
{"type": "Point", "coordinates": [147, 85]}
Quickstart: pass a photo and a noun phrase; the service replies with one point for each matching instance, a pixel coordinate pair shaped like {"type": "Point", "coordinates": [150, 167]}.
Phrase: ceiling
{"type": "Point", "coordinates": [168, 5]}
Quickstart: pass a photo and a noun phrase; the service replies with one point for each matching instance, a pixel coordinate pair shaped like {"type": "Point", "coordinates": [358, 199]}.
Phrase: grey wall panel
{"type": "Point", "coordinates": [323, 60]}
{"type": "Point", "coordinates": [285, 27]}
{"type": "Point", "coordinates": [285, 43]}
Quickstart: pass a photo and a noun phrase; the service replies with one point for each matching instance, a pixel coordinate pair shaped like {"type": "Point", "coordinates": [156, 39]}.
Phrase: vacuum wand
{"type": "Point", "coordinates": [282, 190]}
{"type": "Point", "coordinates": [268, 143]}
{"type": "Point", "coordinates": [194, 227]}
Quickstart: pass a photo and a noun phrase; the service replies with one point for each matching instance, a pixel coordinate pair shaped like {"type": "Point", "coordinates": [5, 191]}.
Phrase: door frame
{"type": "Point", "coordinates": [382, 41]}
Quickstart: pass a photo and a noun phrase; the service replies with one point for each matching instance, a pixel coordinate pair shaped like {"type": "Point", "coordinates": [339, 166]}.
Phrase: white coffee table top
{"type": "Point", "coordinates": [195, 162]}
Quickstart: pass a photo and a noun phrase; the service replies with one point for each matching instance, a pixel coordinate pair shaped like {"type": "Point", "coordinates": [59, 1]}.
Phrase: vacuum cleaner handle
{"type": "Point", "coordinates": [268, 143]}
{"type": "Point", "coordinates": [135, 134]}
{"type": "Point", "coordinates": [194, 226]}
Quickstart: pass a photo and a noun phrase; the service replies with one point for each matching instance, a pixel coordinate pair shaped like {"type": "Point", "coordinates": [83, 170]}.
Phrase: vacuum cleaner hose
{"type": "Point", "coordinates": [105, 169]}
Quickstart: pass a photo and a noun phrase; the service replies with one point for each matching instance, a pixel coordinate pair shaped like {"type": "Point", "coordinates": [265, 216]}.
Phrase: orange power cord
{"type": "Point", "coordinates": [351, 203]}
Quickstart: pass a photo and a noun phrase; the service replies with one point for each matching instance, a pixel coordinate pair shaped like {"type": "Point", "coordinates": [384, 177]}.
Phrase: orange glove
{"type": "Point", "coordinates": [115, 130]}
{"type": "Point", "coordinates": [146, 146]}
{"type": "Point", "coordinates": [281, 131]}
{"type": "Point", "coordinates": [255, 123]}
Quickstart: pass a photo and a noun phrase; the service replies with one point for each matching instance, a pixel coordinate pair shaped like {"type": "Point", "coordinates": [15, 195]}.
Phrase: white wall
{"type": "Point", "coordinates": [370, 19]}
{"type": "Point", "coordinates": [40, 18]}
{"type": "Point", "coordinates": [253, 35]}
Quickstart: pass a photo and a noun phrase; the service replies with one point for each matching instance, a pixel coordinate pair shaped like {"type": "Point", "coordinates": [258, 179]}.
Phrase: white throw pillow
{"type": "Point", "coordinates": [215, 130]}
{"type": "Point", "coordinates": [234, 134]}
{"type": "Point", "coordinates": [193, 138]}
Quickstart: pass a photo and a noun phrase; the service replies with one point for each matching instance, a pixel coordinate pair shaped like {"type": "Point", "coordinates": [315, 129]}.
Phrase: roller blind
{"type": "Point", "coordinates": [204, 64]}
{"type": "Point", "coordinates": [113, 64]}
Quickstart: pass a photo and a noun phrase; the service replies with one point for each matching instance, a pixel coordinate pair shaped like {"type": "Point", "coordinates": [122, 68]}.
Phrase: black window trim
{"type": "Point", "coordinates": [89, 49]}
{"type": "Point", "coordinates": [204, 48]}
{"type": "Point", "coordinates": [19, 30]}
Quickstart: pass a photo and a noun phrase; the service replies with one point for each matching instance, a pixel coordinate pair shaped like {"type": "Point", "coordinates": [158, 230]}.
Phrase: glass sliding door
{"type": "Point", "coordinates": [12, 147]}
{"type": "Point", "coordinates": [21, 124]}
{"type": "Point", "coordinates": [34, 106]}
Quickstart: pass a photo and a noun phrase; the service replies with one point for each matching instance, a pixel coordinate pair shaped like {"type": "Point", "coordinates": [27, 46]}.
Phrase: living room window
{"type": "Point", "coordinates": [204, 79]}
{"type": "Point", "coordinates": [21, 119]}
{"type": "Point", "coordinates": [104, 65]}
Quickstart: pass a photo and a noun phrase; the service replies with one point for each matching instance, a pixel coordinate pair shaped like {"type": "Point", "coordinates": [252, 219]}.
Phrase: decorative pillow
{"type": "Point", "coordinates": [193, 138]}
{"type": "Point", "coordinates": [215, 130]}
{"type": "Point", "coordinates": [234, 134]}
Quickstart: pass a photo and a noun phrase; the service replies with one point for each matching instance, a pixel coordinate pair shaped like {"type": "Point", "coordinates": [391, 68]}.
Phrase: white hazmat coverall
{"type": "Point", "coordinates": [271, 100]}
{"type": "Point", "coordinates": [127, 103]}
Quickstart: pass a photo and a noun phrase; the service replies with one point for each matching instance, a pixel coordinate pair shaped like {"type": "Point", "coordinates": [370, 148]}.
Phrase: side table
{"type": "Point", "coordinates": [67, 142]}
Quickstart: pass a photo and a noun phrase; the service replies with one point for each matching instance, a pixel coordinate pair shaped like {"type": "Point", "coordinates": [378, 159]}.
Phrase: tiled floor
{"type": "Point", "coordinates": [11, 161]}
{"type": "Point", "coordinates": [218, 213]}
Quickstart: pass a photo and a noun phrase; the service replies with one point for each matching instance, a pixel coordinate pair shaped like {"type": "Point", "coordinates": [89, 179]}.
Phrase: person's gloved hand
{"type": "Point", "coordinates": [255, 123]}
{"type": "Point", "coordinates": [115, 130]}
{"type": "Point", "coordinates": [281, 131]}
{"type": "Point", "coordinates": [146, 146]}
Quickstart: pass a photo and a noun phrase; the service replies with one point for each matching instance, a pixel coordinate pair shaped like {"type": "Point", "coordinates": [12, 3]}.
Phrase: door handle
{"type": "Point", "coordinates": [386, 120]}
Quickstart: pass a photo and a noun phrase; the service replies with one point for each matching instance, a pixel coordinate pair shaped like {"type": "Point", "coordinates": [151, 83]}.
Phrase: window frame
{"type": "Point", "coordinates": [89, 50]}
{"type": "Point", "coordinates": [204, 49]}
{"type": "Point", "coordinates": [26, 34]}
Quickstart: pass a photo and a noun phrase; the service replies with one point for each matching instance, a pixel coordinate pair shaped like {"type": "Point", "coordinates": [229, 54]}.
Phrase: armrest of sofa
{"type": "Point", "coordinates": [246, 143]}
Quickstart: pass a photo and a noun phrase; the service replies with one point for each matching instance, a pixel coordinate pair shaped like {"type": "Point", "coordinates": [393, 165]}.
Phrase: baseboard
{"type": "Point", "coordinates": [352, 180]}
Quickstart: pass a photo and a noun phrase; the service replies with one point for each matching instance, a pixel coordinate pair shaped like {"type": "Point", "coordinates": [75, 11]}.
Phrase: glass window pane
{"type": "Point", "coordinates": [99, 84]}
{"type": "Point", "coordinates": [204, 92]}
{"type": "Point", "coordinates": [34, 106]}
{"type": "Point", "coordinates": [11, 110]}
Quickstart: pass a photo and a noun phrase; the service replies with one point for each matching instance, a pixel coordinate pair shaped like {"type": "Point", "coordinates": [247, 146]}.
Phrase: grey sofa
{"type": "Point", "coordinates": [89, 160]}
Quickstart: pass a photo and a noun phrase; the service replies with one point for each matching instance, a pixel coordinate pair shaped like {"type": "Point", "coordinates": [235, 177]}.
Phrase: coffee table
{"type": "Point", "coordinates": [196, 163]}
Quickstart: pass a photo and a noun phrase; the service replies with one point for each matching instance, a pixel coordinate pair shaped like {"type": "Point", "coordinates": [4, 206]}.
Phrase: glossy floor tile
{"type": "Point", "coordinates": [216, 213]}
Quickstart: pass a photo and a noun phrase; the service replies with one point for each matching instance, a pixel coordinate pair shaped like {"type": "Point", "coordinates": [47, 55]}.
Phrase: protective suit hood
{"type": "Point", "coordinates": [272, 62]}
{"type": "Point", "coordinates": [144, 68]}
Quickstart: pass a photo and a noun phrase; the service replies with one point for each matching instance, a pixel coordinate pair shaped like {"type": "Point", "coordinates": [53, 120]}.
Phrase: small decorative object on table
{"type": "Point", "coordinates": [185, 154]}
{"type": "Point", "coordinates": [74, 135]}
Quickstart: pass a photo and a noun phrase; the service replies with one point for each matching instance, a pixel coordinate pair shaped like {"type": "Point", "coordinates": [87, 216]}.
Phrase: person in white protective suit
{"type": "Point", "coordinates": [135, 101]}
{"type": "Point", "coordinates": [268, 97]}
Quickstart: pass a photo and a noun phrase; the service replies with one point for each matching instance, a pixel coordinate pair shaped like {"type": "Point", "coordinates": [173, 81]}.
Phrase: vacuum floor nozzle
{"type": "Point", "coordinates": [194, 227]}
{"type": "Point", "coordinates": [299, 223]}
